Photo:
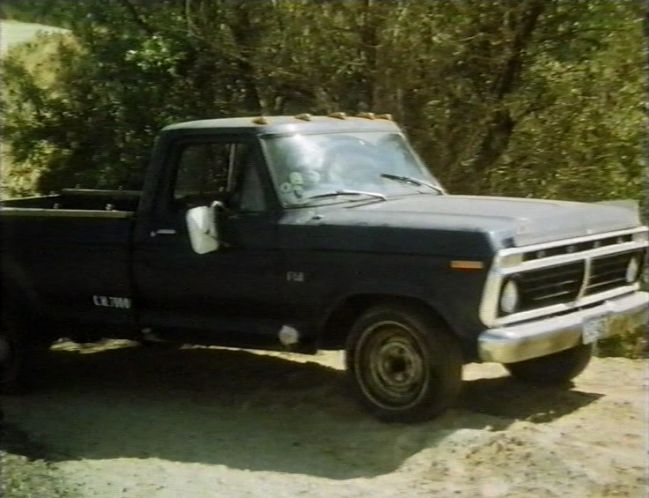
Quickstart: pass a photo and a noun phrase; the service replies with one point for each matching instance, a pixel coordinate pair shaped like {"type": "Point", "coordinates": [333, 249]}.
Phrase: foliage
{"type": "Point", "coordinates": [531, 98]}
{"type": "Point", "coordinates": [630, 344]}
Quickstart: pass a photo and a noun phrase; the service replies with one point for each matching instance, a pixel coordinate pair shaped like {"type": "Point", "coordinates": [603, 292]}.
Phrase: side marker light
{"type": "Point", "coordinates": [466, 265]}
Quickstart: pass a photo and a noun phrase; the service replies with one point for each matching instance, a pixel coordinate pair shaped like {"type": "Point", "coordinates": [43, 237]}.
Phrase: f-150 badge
{"type": "Point", "coordinates": [112, 302]}
{"type": "Point", "coordinates": [295, 276]}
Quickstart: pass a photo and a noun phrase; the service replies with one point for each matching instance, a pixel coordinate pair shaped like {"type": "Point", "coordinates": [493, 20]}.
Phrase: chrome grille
{"type": "Point", "coordinates": [563, 283]}
{"type": "Point", "coordinates": [557, 277]}
{"type": "Point", "coordinates": [607, 273]}
{"type": "Point", "coordinates": [549, 286]}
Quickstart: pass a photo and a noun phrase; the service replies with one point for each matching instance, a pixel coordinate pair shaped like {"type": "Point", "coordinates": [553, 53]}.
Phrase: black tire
{"type": "Point", "coordinates": [404, 365]}
{"type": "Point", "coordinates": [20, 358]}
{"type": "Point", "coordinates": [554, 369]}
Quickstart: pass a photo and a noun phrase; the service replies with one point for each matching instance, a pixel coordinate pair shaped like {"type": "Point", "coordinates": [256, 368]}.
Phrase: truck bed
{"type": "Point", "coordinates": [69, 254]}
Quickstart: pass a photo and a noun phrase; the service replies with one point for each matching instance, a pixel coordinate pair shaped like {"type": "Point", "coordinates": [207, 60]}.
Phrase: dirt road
{"type": "Point", "coordinates": [197, 422]}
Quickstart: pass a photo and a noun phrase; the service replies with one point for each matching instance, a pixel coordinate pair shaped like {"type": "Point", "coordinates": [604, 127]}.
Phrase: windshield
{"type": "Point", "coordinates": [305, 168]}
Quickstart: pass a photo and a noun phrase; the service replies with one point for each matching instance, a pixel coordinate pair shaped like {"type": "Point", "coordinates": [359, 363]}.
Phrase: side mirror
{"type": "Point", "coordinates": [202, 226]}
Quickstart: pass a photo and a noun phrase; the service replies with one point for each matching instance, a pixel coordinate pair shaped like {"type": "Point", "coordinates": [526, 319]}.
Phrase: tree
{"type": "Point", "coordinates": [531, 97]}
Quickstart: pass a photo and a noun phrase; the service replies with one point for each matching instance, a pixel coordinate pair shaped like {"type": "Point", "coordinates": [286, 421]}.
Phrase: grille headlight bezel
{"type": "Point", "coordinates": [632, 270]}
{"type": "Point", "coordinates": [509, 297]}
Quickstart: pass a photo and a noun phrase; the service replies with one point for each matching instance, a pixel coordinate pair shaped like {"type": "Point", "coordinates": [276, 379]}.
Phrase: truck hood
{"type": "Point", "coordinates": [507, 221]}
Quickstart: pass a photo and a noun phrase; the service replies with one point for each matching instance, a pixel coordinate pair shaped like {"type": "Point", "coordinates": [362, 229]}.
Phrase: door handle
{"type": "Point", "coordinates": [163, 231]}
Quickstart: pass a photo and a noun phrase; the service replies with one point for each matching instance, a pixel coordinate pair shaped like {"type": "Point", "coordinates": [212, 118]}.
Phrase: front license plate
{"type": "Point", "coordinates": [594, 329]}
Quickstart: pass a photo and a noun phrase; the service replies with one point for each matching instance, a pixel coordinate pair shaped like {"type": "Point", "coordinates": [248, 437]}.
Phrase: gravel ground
{"type": "Point", "coordinates": [114, 420]}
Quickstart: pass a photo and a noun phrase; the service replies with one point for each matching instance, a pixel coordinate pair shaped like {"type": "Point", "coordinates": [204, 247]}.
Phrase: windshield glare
{"type": "Point", "coordinates": [303, 166]}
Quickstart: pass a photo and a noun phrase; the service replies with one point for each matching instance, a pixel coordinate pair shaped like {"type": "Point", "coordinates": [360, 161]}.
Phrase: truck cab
{"type": "Point", "coordinates": [269, 188]}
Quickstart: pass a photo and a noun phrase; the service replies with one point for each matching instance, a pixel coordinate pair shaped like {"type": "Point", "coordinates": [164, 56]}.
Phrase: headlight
{"type": "Point", "coordinates": [641, 236]}
{"type": "Point", "coordinates": [509, 297]}
{"type": "Point", "coordinates": [632, 270]}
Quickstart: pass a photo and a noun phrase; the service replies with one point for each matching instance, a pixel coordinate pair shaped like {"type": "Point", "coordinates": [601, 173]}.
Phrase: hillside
{"type": "Point", "coordinates": [13, 33]}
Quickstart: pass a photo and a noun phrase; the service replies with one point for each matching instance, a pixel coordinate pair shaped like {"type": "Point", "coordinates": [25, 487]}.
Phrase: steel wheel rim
{"type": "Point", "coordinates": [391, 368]}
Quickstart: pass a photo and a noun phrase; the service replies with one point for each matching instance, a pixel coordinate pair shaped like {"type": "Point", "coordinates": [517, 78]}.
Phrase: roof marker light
{"type": "Point", "coordinates": [260, 120]}
{"type": "Point", "coordinates": [384, 116]}
{"type": "Point", "coordinates": [305, 116]}
{"type": "Point", "coordinates": [338, 115]}
{"type": "Point", "coordinates": [367, 115]}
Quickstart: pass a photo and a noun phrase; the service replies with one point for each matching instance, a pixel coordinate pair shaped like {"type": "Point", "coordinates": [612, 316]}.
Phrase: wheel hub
{"type": "Point", "coordinates": [396, 367]}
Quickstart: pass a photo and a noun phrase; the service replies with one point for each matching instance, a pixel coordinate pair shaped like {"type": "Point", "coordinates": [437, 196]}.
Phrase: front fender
{"type": "Point", "coordinates": [454, 295]}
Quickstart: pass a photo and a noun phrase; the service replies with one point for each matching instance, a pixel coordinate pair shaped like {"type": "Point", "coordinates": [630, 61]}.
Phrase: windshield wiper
{"type": "Point", "coordinates": [336, 193]}
{"type": "Point", "coordinates": [413, 181]}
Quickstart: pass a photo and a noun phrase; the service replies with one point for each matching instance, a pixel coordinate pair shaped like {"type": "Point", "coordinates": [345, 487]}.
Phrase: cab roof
{"type": "Point", "coordinates": [302, 123]}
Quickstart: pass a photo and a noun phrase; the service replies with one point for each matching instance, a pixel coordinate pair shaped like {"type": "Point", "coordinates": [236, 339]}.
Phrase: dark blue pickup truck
{"type": "Point", "coordinates": [305, 233]}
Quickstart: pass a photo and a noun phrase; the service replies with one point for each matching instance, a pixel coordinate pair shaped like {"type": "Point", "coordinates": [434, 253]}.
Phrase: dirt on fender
{"type": "Point", "coordinates": [113, 419]}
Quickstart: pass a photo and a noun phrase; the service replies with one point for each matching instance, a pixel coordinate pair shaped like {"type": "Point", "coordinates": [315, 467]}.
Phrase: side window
{"type": "Point", "coordinates": [209, 171]}
{"type": "Point", "coordinates": [203, 172]}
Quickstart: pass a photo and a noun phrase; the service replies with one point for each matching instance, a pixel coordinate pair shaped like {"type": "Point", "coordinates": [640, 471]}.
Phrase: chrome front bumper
{"type": "Point", "coordinates": [541, 337]}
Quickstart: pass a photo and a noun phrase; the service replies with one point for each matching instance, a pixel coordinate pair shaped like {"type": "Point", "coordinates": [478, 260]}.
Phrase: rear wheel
{"type": "Point", "coordinates": [557, 368]}
{"type": "Point", "coordinates": [20, 357]}
{"type": "Point", "coordinates": [404, 365]}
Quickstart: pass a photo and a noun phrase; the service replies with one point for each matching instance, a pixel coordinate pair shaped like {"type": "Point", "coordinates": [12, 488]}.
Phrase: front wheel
{"type": "Point", "coordinates": [404, 365]}
{"type": "Point", "coordinates": [557, 368]}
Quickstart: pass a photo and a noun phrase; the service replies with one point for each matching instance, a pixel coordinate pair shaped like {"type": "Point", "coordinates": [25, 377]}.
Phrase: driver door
{"type": "Point", "coordinates": [226, 294]}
